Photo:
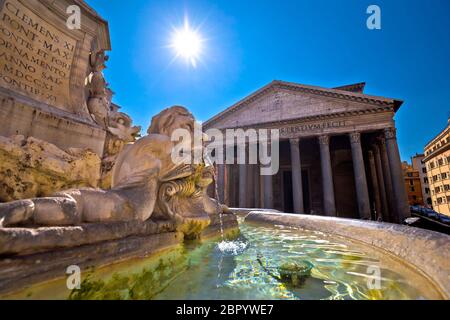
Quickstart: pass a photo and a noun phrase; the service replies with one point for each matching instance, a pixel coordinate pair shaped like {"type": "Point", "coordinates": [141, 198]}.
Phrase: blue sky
{"type": "Point", "coordinates": [250, 43]}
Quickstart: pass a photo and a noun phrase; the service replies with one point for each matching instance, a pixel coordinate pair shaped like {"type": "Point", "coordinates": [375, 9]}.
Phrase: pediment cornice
{"type": "Point", "coordinates": [376, 101]}
{"type": "Point", "coordinates": [329, 116]}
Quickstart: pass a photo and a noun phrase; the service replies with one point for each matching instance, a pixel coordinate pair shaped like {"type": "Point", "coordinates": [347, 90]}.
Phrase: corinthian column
{"type": "Point", "coordinates": [387, 179]}
{"type": "Point", "coordinates": [267, 185]}
{"type": "Point", "coordinates": [297, 189]}
{"type": "Point", "coordinates": [380, 177]}
{"type": "Point", "coordinates": [362, 193]}
{"type": "Point", "coordinates": [221, 182]}
{"type": "Point", "coordinates": [329, 204]}
{"type": "Point", "coordinates": [398, 184]}
{"type": "Point", "coordinates": [243, 182]}
{"type": "Point", "coordinates": [256, 178]}
{"type": "Point", "coordinates": [375, 185]}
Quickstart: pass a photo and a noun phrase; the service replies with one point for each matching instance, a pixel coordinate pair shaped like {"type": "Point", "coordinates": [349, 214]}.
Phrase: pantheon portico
{"type": "Point", "coordinates": [338, 153]}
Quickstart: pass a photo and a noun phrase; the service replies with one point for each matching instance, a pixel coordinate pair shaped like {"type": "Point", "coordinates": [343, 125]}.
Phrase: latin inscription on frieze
{"type": "Point", "coordinates": [311, 127]}
{"type": "Point", "coordinates": [35, 57]}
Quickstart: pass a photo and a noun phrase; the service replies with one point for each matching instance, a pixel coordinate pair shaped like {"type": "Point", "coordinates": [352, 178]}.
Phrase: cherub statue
{"type": "Point", "coordinates": [145, 183]}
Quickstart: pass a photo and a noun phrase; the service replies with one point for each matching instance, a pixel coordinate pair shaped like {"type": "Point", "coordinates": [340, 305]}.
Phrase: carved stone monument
{"type": "Point", "coordinates": [43, 71]}
{"type": "Point", "coordinates": [146, 182]}
{"type": "Point", "coordinates": [53, 95]}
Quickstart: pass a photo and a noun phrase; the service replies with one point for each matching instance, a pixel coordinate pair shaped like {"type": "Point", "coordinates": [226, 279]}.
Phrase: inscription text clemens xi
{"type": "Point", "coordinates": [35, 57]}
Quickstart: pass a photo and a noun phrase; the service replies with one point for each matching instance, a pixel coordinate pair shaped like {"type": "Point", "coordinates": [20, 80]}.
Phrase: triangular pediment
{"type": "Point", "coordinates": [283, 101]}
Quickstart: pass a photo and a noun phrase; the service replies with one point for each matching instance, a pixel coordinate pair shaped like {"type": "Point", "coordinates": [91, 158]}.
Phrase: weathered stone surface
{"type": "Point", "coordinates": [146, 182]}
{"type": "Point", "coordinates": [32, 167]}
{"type": "Point", "coordinates": [301, 111]}
{"type": "Point", "coordinates": [44, 66]}
{"type": "Point", "coordinates": [26, 240]}
{"type": "Point", "coordinates": [229, 224]}
{"type": "Point", "coordinates": [428, 251]}
{"type": "Point", "coordinates": [18, 272]}
{"type": "Point", "coordinates": [29, 256]}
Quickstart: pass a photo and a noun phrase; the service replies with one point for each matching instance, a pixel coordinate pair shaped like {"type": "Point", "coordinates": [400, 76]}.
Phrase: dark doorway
{"type": "Point", "coordinates": [306, 194]}
{"type": "Point", "coordinates": [288, 200]}
{"type": "Point", "coordinates": [287, 192]}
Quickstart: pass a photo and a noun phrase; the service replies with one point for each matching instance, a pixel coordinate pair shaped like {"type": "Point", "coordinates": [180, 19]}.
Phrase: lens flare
{"type": "Point", "coordinates": [187, 44]}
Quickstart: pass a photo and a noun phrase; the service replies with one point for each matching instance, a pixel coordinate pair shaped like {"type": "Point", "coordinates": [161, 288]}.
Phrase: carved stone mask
{"type": "Point", "coordinates": [172, 118]}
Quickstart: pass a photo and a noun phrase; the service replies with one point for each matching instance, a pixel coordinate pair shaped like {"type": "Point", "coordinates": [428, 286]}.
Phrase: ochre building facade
{"type": "Point", "coordinates": [437, 161]}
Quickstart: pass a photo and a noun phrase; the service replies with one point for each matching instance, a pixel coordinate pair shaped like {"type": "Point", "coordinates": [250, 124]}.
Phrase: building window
{"type": "Point", "coordinates": [444, 175]}
{"type": "Point", "coordinates": [439, 200]}
{"type": "Point", "coordinates": [412, 189]}
{"type": "Point", "coordinates": [427, 190]}
{"type": "Point", "coordinates": [441, 162]}
{"type": "Point", "coordinates": [411, 182]}
{"type": "Point", "coordinates": [432, 165]}
{"type": "Point", "coordinates": [425, 180]}
{"type": "Point", "coordinates": [424, 170]}
{"type": "Point", "coordinates": [446, 187]}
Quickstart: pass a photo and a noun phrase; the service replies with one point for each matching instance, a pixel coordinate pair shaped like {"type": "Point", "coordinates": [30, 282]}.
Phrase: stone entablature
{"type": "Point", "coordinates": [335, 124]}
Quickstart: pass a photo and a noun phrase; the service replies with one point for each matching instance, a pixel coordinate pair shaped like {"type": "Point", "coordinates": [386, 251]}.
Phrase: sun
{"type": "Point", "coordinates": [187, 43]}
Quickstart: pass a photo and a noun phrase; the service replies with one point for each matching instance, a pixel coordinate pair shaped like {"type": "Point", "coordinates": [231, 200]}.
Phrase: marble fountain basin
{"type": "Point", "coordinates": [425, 252]}
{"type": "Point", "coordinates": [276, 256]}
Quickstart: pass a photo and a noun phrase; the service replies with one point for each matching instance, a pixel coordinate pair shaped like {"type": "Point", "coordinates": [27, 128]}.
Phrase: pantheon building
{"type": "Point", "coordinates": [338, 153]}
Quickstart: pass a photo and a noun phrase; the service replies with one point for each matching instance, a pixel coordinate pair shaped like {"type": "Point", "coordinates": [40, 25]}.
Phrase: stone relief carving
{"type": "Point", "coordinates": [120, 132]}
{"type": "Point", "coordinates": [98, 104]}
{"type": "Point", "coordinates": [390, 133]}
{"type": "Point", "coordinates": [355, 137]}
{"type": "Point", "coordinates": [324, 140]}
{"type": "Point", "coordinates": [118, 125]}
{"type": "Point", "coordinates": [145, 183]}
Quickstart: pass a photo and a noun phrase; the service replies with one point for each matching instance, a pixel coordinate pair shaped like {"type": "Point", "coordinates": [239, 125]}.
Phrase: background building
{"type": "Point", "coordinates": [437, 161]}
{"type": "Point", "coordinates": [413, 184]}
{"type": "Point", "coordinates": [338, 153]}
{"type": "Point", "coordinates": [419, 165]}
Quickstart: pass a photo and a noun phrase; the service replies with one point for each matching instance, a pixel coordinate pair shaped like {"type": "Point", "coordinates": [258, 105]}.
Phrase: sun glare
{"type": "Point", "coordinates": [187, 43]}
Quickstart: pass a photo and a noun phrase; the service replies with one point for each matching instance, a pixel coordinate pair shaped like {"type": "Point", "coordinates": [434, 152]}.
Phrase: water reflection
{"type": "Point", "coordinates": [253, 266]}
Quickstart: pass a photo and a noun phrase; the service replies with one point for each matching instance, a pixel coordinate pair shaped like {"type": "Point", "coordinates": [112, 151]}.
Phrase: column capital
{"type": "Point", "coordinates": [294, 141]}
{"type": "Point", "coordinates": [390, 133]}
{"type": "Point", "coordinates": [324, 140]}
{"type": "Point", "coordinates": [355, 137]}
{"type": "Point", "coordinates": [381, 141]}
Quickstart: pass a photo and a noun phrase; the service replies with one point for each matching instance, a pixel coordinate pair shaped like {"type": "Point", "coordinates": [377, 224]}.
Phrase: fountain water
{"type": "Point", "coordinates": [225, 246]}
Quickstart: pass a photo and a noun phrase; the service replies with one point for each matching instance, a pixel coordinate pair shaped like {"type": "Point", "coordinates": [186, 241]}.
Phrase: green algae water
{"type": "Point", "coordinates": [258, 264]}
